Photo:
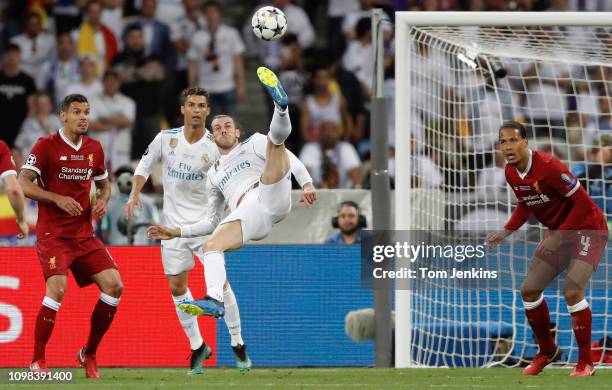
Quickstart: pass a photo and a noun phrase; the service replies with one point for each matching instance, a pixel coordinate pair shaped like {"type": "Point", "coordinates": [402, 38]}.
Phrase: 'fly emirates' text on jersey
{"type": "Point", "coordinates": [545, 189]}
{"type": "Point", "coordinates": [185, 168]}
{"type": "Point", "coordinates": [234, 174]}
{"type": "Point", "coordinates": [66, 169]}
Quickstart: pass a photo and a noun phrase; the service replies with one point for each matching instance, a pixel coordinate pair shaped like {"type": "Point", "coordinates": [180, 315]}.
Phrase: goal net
{"type": "Point", "coordinates": [458, 78]}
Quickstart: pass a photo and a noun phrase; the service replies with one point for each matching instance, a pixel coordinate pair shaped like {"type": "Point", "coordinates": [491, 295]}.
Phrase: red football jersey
{"type": "Point", "coordinates": [66, 169]}
{"type": "Point", "coordinates": [7, 164]}
{"type": "Point", "coordinates": [545, 189]}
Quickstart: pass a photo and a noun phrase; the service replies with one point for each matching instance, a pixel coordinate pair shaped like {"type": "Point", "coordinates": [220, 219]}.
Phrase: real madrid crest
{"type": "Point", "coordinates": [205, 158]}
{"type": "Point", "coordinates": [173, 142]}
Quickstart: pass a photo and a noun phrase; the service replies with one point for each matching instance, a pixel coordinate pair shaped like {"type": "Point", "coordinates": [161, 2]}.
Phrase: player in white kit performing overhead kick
{"type": "Point", "coordinates": [254, 178]}
{"type": "Point", "coordinates": [186, 154]}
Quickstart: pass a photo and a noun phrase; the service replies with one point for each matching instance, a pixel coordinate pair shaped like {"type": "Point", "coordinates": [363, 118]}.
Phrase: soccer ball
{"type": "Point", "coordinates": [269, 23]}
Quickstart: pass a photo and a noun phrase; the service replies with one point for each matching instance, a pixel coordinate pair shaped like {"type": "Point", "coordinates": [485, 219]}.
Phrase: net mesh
{"type": "Point", "coordinates": [465, 81]}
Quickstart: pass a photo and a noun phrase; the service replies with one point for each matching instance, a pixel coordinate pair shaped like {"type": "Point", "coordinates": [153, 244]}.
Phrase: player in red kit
{"type": "Point", "coordinates": [65, 164]}
{"type": "Point", "coordinates": [575, 242]}
{"type": "Point", "coordinates": [8, 172]}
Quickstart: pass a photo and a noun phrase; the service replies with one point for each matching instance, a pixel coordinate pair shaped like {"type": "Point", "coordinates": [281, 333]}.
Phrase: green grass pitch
{"type": "Point", "coordinates": [332, 378]}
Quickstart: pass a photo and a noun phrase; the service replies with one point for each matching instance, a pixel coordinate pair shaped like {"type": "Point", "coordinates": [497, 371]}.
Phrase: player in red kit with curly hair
{"type": "Point", "coordinates": [575, 242]}
{"type": "Point", "coordinates": [65, 164]}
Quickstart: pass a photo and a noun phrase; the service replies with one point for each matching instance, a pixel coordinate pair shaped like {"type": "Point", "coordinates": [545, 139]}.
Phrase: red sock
{"type": "Point", "coordinates": [581, 323]}
{"type": "Point", "coordinates": [101, 319]}
{"type": "Point", "coordinates": [45, 321]}
{"type": "Point", "coordinates": [539, 320]}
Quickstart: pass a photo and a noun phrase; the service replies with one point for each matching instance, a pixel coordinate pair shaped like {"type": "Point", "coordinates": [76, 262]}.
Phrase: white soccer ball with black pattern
{"type": "Point", "coordinates": [269, 23]}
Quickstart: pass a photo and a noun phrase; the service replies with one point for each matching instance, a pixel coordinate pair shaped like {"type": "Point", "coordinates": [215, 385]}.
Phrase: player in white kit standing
{"type": "Point", "coordinates": [186, 154]}
{"type": "Point", "coordinates": [254, 178]}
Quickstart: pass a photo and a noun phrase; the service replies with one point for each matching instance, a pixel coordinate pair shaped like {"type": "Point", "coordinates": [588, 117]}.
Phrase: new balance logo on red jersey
{"type": "Point", "coordinates": [63, 158]}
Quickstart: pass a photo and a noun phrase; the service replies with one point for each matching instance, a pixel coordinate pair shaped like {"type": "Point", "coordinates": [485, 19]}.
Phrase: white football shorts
{"type": "Point", "coordinates": [177, 254]}
{"type": "Point", "coordinates": [261, 208]}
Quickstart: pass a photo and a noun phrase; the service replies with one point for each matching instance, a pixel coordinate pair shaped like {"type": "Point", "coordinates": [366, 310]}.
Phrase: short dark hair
{"type": "Point", "coordinates": [211, 3]}
{"type": "Point", "coordinates": [514, 125]}
{"type": "Point", "coordinates": [12, 47]}
{"type": "Point", "coordinates": [349, 203]}
{"type": "Point", "coordinates": [110, 73]}
{"type": "Point", "coordinates": [193, 91]}
{"type": "Point", "coordinates": [73, 98]}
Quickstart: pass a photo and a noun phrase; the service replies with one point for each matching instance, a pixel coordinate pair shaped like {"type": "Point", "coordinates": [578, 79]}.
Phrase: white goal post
{"type": "Point", "coordinates": [465, 49]}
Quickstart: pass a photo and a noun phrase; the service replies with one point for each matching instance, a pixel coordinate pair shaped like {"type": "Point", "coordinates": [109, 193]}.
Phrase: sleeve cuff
{"type": "Point", "coordinates": [9, 172]}
{"type": "Point", "coordinates": [32, 168]}
{"type": "Point", "coordinates": [573, 190]}
{"type": "Point", "coordinates": [101, 177]}
{"type": "Point", "coordinates": [185, 231]}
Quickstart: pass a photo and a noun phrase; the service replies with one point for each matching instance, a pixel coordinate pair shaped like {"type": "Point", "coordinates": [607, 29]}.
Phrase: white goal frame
{"type": "Point", "coordinates": [403, 23]}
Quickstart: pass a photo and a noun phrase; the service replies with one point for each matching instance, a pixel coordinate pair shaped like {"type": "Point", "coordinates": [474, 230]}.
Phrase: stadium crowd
{"type": "Point", "coordinates": [131, 58]}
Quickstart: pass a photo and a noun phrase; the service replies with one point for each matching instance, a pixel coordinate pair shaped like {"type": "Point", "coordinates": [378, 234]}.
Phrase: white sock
{"type": "Point", "coordinates": [51, 303]}
{"type": "Point", "coordinates": [214, 273]}
{"type": "Point", "coordinates": [280, 126]}
{"type": "Point", "coordinates": [188, 322]}
{"type": "Point", "coordinates": [232, 316]}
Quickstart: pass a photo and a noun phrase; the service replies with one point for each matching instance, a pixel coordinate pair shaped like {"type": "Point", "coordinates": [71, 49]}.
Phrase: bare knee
{"type": "Point", "coordinates": [572, 297]}
{"type": "Point", "coordinates": [530, 295]}
{"type": "Point", "coordinates": [56, 290]}
{"type": "Point", "coordinates": [114, 288]}
{"type": "Point", "coordinates": [177, 287]}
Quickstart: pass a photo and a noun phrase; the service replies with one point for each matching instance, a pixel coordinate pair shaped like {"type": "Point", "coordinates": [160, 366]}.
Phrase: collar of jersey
{"type": "Point", "coordinates": [522, 175]}
{"type": "Point", "coordinates": [66, 140]}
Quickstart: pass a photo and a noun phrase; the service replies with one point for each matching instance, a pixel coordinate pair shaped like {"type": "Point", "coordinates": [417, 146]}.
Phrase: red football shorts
{"type": "Point", "coordinates": [585, 245]}
{"type": "Point", "coordinates": [83, 256]}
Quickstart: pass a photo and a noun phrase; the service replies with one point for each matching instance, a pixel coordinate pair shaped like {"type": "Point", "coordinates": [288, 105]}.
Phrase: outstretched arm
{"type": "Point", "coordinates": [214, 213]}
{"type": "Point", "coordinates": [298, 169]}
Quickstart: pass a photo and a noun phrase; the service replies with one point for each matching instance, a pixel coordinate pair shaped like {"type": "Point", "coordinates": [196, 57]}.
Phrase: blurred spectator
{"type": "Point", "coordinates": [491, 181]}
{"type": "Point", "coordinates": [157, 44]}
{"type": "Point", "coordinates": [336, 13]}
{"type": "Point", "coordinates": [112, 17]}
{"type": "Point", "coordinates": [181, 33]}
{"type": "Point", "coordinates": [596, 174]}
{"type": "Point", "coordinates": [331, 162]}
{"type": "Point", "coordinates": [351, 20]}
{"type": "Point", "coordinates": [586, 5]}
{"type": "Point", "coordinates": [216, 63]}
{"type": "Point", "coordinates": [156, 35]}
{"type": "Point", "coordinates": [67, 14]}
{"type": "Point", "coordinates": [89, 84]}
{"type": "Point", "coordinates": [323, 106]}
{"type": "Point", "coordinates": [293, 78]}
{"type": "Point", "coordinates": [297, 23]}
{"type": "Point", "coordinates": [358, 57]}
{"type": "Point", "coordinates": [37, 48]}
{"type": "Point", "coordinates": [350, 222]}
{"type": "Point", "coordinates": [94, 39]}
{"type": "Point", "coordinates": [116, 230]}
{"type": "Point", "coordinates": [39, 123]}
{"type": "Point", "coordinates": [166, 11]}
{"type": "Point", "coordinates": [141, 77]}
{"type": "Point", "coordinates": [15, 87]}
{"type": "Point", "coordinates": [111, 121]}
{"type": "Point", "coordinates": [63, 71]}
{"type": "Point", "coordinates": [425, 171]}
{"type": "Point", "coordinates": [351, 89]}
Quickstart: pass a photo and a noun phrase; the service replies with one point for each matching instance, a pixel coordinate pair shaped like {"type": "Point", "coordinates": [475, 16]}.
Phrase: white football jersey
{"type": "Point", "coordinates": [236, 172]}
{"type": "Point", "coordinates": [185, 167]}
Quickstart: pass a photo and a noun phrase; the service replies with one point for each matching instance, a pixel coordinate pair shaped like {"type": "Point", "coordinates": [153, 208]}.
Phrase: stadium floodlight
{"type": "Point", "coordinates": [458, 76]}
